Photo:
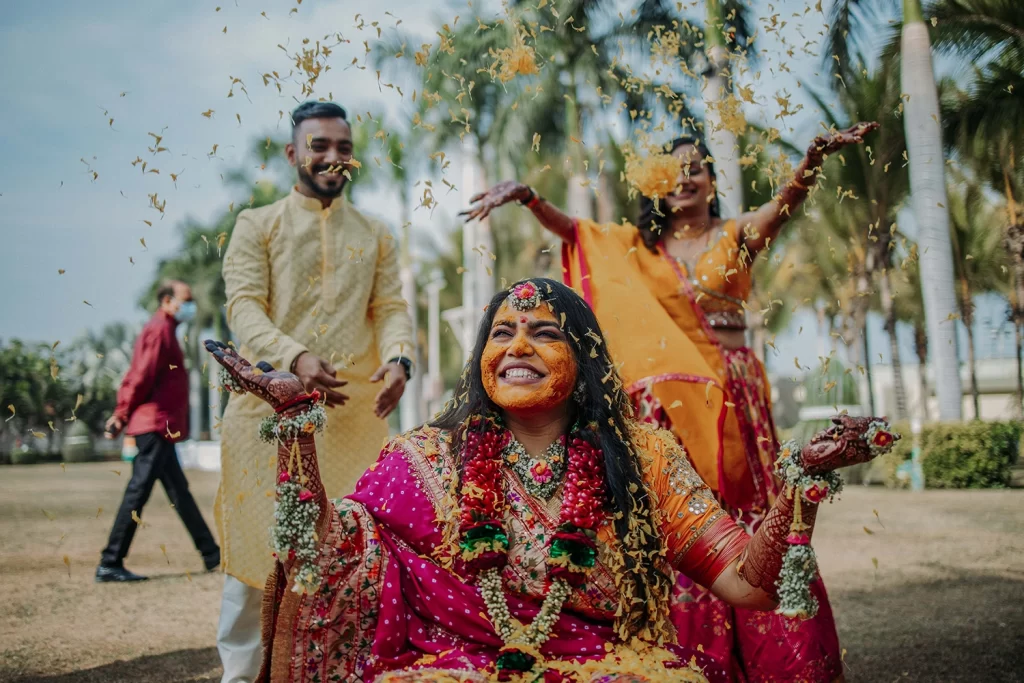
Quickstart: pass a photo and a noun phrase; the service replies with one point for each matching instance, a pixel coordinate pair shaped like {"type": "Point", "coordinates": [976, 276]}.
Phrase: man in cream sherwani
{"type": "Point", "coordinates": [312, 287]}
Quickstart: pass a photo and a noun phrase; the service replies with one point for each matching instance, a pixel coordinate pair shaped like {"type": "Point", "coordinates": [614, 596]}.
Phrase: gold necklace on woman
{"type": "Point", "coordinates": [691, 266]}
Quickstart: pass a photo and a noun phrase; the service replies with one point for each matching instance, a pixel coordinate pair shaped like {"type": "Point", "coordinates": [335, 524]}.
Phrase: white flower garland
{"type": "Point", "coordinates": [513, 634]}
{"type": "Point", "coordinates": [228, 382]}
{"type": "Point", "coordinates": [799, 564]}
{"type": "Point", "coordinates": [293, 535]}
{"type": "Point", "coordinates": [790, 469]}
{"type": "Point", "coordinates": [276, 428]}
{"type": "Point", "coordinates": [799, 569]}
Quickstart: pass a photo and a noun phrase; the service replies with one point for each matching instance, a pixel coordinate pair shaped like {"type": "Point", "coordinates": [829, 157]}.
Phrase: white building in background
{"type": "Point", "coordinates": [997, 384]}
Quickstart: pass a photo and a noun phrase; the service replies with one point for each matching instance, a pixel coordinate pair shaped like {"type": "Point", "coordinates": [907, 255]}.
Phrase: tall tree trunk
{"type": "Point", "coordinates": [717, 93]}
{"type": "Point", "coordinates": [830, 325]}
{"type": "Point", "coordinates": [409, 407]}
{"type": "Point", "coordinates": [1019, 336]}
{"type": "Point", "coordinates": [434, 387]}
{"type": "Point", "coordinates": [1015, 246]}
{"type": "Point", "coordinates": [921, 347]}
{"type": "Point", "coordinates": [869, 375]}
{"type": "Point", "coordinates": [579, 201]}
{"type": "Point", "coordinates": [823, 329]}
{"type": "Point", "coordinates": [889, 311]}
{"type": "Point", "coordinates": [605, 199]}
{"type": "Point", "coordinates": [1016, 314]}
{"type": "Point", "coordinates": [477, 286]}
{"type": "Point", "coordinates": [967, 316]}
{"type": "Point", "coordinates": [928, 189]}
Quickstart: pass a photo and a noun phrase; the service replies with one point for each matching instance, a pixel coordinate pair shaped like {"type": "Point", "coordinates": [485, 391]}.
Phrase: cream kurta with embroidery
{"type": "Point", "coordinates": [303, 278]}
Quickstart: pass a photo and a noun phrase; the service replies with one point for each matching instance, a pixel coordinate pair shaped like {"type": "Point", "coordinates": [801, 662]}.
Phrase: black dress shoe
{"type": "Point", "coordinates": [211, 562]}
{"type": "Point", "coordinates": [116, 575]}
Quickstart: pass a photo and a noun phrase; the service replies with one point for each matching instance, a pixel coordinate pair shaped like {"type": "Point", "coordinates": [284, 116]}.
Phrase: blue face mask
{"type": "Point", "coordinates": [186, 312]}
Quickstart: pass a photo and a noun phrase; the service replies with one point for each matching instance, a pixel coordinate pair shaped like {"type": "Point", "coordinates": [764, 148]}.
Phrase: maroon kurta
{"type": "Point", "coordinates": [154, 392]}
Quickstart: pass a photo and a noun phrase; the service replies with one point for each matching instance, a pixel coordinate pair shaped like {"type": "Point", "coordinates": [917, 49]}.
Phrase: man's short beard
{"type": "Point", "coordinates": [307, 179]}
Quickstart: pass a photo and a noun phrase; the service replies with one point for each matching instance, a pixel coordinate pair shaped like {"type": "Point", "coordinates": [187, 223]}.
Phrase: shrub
{"type": "Point", "coordinates": [969, 455]}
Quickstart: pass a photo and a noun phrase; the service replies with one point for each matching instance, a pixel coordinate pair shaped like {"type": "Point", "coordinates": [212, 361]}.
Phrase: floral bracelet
{"type": "Point", "coordinates": [281, 428]}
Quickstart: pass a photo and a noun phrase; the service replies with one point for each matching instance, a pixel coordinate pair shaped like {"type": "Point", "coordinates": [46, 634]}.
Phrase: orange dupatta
{"type": "Point", "coordinates": [644, 317]}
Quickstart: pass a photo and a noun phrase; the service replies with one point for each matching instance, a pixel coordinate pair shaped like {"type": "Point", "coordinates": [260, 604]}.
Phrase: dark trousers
{"type": "Point", "coordinates": [156, 459]}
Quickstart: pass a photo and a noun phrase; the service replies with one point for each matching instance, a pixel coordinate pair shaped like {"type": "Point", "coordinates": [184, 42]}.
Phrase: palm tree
{"type": "Point", "coordinates": [96, 364]}
{"type": "Point", "coordinates": [393, 157]}
{"type": "Point", "coordinates": [870, 188]}
{"type": "Point", "coordinates": [198, 263]}
{"type": "Point", "coordinates": [928, 193]}
{"type": "Point", "coordinates": [909, 305]}
{"type": "Point", "coordinates": [982, 120]}
{"type": "Point", "coordinates": [717, 92]}
{"type": "Point", "coordinates": [852, 24]}
{"type": "Point", "coordinates": [979, 257]}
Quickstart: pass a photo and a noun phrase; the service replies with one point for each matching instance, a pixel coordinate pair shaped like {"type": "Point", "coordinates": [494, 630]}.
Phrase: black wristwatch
{"type": "Point", "coordinates": [406, 365]}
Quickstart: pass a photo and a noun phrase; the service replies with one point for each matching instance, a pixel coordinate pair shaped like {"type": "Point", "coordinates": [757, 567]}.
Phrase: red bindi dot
{"type": "Point", "coordinates": [523, 320]}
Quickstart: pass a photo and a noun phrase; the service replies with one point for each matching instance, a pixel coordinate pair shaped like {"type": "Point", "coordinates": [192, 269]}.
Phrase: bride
{"type": "Point", "coordinates": [532, 532]}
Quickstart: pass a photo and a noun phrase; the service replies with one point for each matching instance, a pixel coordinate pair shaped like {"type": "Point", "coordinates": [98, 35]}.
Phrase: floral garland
{"type": "Point", "coordinates": [278, 428]}
{"type": "Point", "coordinates": [296, 511]}
{"type": "Point", "coordinates": [572, 552]}
{"type": "Point", "coordinates": [228, 382]}
{"type": "Point", "coordinates": [799, 564]}
{"type": "Point", "coordinates": [790, 469]}
{"type": "Point", "coordinates": [295, 508]}
{"type": "Point", "coordinates": [879, 437]}
{"type": "Point", "coordinates": [294, 532]}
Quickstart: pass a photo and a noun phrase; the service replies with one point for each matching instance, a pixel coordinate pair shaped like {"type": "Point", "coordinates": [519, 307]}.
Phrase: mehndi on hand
{"type": "Point", "coordinates": [276, 387]}
{"type": "Point", "coordinates": [849, 441]}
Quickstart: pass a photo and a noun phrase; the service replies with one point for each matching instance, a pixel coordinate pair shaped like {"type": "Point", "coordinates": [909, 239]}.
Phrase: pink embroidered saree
{"type": "Point", "coordinates": [393, 606]}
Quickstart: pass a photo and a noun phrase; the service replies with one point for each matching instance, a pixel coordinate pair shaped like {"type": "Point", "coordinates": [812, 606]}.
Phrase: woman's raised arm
{"type": "Point", "coordinates": [758, 228]}
{"type": "Point", "coordinates": [550, 216]}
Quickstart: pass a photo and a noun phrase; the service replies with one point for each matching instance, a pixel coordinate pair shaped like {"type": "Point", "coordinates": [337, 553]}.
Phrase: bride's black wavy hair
{"type": "Point", "coordinates": [606, 408]}
{"type": "Point", "coordinates": [650, 222]}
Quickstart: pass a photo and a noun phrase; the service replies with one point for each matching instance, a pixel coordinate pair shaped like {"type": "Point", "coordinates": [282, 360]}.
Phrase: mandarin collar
{"type": "Point", "coordinates": [313, 204]}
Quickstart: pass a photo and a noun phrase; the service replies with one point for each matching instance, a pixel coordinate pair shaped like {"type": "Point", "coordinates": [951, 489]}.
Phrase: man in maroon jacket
{"type": "Point", "coordinates": [152, 406]}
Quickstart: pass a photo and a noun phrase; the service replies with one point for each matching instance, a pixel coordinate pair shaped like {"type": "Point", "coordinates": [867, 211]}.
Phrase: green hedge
{"type": "Point", "coordinates": [969, 455]}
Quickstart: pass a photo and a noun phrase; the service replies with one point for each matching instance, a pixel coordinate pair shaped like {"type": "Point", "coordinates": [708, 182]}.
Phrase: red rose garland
{"type": "Point", "coordinates": [483, 540]}
{"type": "Point", "coordinates": [572, 552]}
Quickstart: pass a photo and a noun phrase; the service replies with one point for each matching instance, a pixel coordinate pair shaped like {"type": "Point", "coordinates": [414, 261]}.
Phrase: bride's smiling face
{"type": "Point", "coordinates": [527, 364]}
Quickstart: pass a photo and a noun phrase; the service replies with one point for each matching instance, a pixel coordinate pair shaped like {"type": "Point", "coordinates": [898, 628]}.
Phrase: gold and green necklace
{"type": "Point", "coordinates": [542, 475]}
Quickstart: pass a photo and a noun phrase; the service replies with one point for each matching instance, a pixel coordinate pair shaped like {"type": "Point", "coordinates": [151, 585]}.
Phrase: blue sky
{"type": "Point", "coordinates": [70, 61]}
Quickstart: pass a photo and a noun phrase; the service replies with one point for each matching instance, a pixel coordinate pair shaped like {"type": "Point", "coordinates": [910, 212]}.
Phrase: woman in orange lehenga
{"type": "Point", "coordinates": [682, 282]}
